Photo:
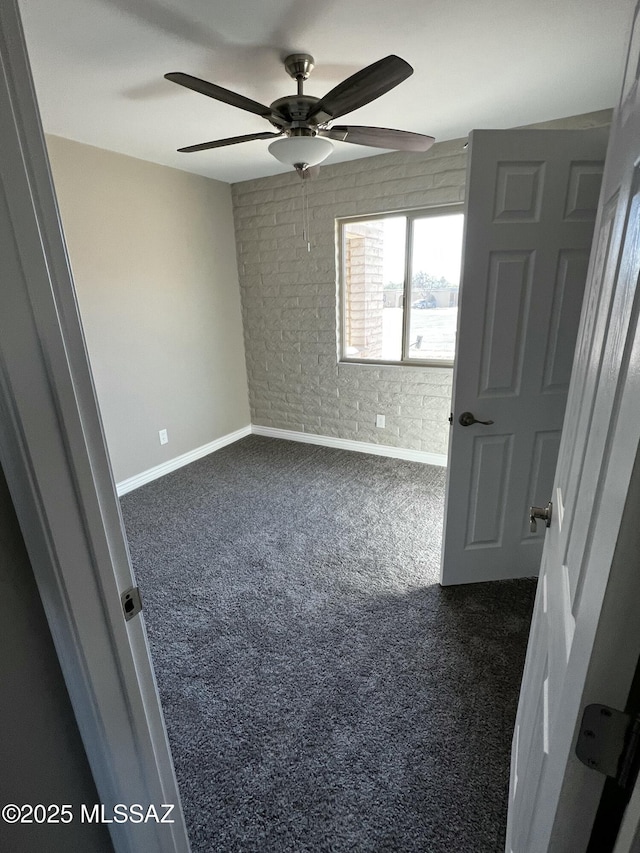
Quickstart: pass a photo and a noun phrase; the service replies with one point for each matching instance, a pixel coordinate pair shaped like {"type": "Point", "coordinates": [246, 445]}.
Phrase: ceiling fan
{"type": "Point", "coordinates": [303, 122]}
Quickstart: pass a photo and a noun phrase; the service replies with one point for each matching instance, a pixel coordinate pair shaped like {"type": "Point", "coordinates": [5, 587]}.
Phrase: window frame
{"type": "Point", "coordinates": [410, 216]}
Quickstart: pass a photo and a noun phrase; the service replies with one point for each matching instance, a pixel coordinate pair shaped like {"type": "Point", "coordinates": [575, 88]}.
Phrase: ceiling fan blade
{"type": "Point", "coordinates": [362, 87]}
{"type": "Point", "coordinates": [379, 137]}
{"type": "Point", "coordinates": [218, 93]}
{"type": "Point", "coordinates": [231, 140]}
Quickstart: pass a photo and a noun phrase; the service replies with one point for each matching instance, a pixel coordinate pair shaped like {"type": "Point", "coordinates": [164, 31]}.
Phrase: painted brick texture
{"type": "Point", "coordinates": [290, 304]}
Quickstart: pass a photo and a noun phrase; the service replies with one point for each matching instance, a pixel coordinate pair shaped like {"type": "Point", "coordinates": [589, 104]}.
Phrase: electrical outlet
{"type": "Point", "coordinates": [164, 438]}
{"type": "Point", "coordinates": [380, 421]}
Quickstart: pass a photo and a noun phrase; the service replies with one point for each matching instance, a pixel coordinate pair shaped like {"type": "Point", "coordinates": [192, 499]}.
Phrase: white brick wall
{"type": "Point", "coordinates": [289, 299]}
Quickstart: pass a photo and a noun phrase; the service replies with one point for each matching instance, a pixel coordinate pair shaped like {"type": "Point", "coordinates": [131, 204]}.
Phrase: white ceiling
{"type": "Point", "coordinates": [99, 66]}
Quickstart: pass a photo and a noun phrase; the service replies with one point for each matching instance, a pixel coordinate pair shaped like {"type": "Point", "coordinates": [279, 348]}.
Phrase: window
{"type": "Point", "coordinates": [400, 278]}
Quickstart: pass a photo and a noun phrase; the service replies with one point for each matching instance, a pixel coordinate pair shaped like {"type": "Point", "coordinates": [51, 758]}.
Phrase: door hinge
{"type": "Point", "coordinates": [609, 741]}
{"type": "Point", "coordinates": [131, 602]}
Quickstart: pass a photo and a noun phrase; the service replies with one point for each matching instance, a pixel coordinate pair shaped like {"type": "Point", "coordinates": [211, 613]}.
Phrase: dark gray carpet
{"type": "Point", "coordinates": [321, 691]}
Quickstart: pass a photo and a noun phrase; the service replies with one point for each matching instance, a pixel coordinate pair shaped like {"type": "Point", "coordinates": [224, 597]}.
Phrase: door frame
{"type": "Point", "coordinates": [54, 456]}
{"type": "Point", "coordinates": [606, 644]}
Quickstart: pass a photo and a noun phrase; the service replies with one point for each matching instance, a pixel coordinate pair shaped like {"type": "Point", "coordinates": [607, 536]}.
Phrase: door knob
{"type": "Point", "coordinates": [468, 419]}
{"type": "Point", "coordinates": [543, 514]}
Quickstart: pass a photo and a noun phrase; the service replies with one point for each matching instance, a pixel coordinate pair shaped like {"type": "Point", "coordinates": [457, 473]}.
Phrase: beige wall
{"type": "Point", "coordinates": [153, 257]}
{"type": "Point", "coordinates": [289, 299]}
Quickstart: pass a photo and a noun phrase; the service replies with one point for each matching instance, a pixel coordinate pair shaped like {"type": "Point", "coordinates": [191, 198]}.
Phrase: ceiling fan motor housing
{"type": "Point", "coordinates": [291, 109]}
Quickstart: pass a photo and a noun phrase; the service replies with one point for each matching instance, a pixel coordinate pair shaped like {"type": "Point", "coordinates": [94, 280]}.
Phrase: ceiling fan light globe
{"type": "Point", "coordinates": [310, 150]}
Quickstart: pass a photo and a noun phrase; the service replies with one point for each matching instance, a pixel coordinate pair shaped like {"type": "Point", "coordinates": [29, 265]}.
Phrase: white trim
{"type": "Point", "coordinates": [423, 456]}
{"type": "Point", "coordinates": [150, 474]}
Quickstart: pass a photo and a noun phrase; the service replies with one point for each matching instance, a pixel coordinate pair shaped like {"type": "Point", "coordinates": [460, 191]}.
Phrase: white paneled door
{"type": "Point", "coordinates": [532, 197]}
{"type": "Point", "coordinates": [585, 637]}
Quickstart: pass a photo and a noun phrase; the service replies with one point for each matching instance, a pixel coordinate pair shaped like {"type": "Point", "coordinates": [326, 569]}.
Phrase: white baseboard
{"type": "Point", "coordinates": [423, 456]}
{"type": "Point", "coordinates": [179, 461]}
{"type": "Point", "coordinates": [288, 435]}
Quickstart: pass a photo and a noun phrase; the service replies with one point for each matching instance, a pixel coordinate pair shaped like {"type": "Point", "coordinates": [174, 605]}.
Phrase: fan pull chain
{"type": "Point", "coordinates": [305, 215]}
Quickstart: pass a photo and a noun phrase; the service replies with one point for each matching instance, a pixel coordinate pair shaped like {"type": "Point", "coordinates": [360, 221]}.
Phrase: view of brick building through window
{"type": "Point", "coordinates": [378, 286]}
{"type": "Point", "coordinates": [364, 282]}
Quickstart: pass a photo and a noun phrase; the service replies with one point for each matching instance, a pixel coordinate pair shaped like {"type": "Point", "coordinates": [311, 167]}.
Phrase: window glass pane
{"type": "Point", "coordinates": [435, 278]}
{"type": "Point", "coordinates": [373, 253]}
